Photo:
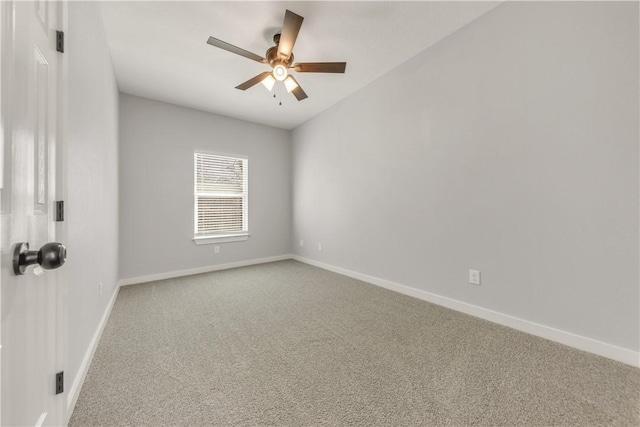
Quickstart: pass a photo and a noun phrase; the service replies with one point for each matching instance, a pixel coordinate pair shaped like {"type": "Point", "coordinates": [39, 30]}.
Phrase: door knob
{"type": "Point", "coordinates": [51, 255]}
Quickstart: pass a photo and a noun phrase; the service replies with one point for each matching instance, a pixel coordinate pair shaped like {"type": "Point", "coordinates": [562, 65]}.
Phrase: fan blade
{"type": "Point", "coordinates": [320, 67]}
{"type": "Point", "coordinates": [298, 92]}
{"type": "Point", "coordinates": [253, 81]}
{"type": "Point", "coordinates": [234, 49]}
{"type": "Point", "coordinates": [290, 28]}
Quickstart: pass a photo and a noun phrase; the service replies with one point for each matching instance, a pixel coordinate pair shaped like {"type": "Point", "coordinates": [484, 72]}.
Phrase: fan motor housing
{"type": "Point", "coordinates": [274, 57]}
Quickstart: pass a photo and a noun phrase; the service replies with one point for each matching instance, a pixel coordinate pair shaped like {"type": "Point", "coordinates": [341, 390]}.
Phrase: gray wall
{"type": "Point", "coordinates": [510, 147]}
{"type": "Point", "coordinates": [157, 142]}
{"type": "Point", "coordinates": [92, 176]}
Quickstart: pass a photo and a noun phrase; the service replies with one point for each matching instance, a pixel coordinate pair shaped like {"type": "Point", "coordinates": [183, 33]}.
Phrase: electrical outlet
{"type": "Point", "coordinates": [301, 242]}
{"type": "Point", "coordinates": [216, 249]}
{"type": "Point", "coordinates": [320, 246]}
{"type": "Point", "coordinates": [474, 277]}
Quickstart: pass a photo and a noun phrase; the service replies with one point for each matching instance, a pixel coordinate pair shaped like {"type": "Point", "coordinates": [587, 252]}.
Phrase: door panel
{"type": "Point", "coordinates": [30, 304]}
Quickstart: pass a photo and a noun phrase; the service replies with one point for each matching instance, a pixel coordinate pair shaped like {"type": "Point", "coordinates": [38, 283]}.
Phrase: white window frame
{"type": "Point", "coordinates": [235, 236]}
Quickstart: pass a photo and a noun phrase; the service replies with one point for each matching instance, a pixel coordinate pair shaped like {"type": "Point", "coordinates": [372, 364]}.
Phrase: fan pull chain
{"type": "Point", "coordinates": [276, 93]}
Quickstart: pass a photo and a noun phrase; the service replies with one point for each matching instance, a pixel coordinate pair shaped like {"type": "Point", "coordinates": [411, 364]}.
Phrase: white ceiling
{"type": "Point", "coordinates": [159, 49]}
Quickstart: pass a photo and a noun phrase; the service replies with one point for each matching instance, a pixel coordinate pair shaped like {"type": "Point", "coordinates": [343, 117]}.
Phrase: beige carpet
{"type": "Point", "coordinates": [290, 344]}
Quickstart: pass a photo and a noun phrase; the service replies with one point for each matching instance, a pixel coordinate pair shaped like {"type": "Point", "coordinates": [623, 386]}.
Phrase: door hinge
{"type": "Point", "coordinates": [60, 382]}
{"type": "Point", "coordinates": [60, 41]}
{"type": "Point", "coordinates": [59, 211]}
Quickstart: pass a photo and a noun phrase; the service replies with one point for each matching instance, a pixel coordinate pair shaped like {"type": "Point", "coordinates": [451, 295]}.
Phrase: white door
{"type": "Point", "coordinates": [31, 327]}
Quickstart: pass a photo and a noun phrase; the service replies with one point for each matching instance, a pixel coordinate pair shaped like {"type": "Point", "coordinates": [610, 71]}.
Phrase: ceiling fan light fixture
{"type": "Point", "coordinates": [268, 82]}
{"type": "Point", "coordinates": [290, 84]}
{"type": "Point", "coordinates": [280, 72]}
{"type": "Point", "coordinates": [280, 58]}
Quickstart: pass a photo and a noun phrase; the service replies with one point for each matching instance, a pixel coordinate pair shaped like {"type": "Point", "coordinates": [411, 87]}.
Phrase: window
{"type": "Point", "coordinates": [220, 198]}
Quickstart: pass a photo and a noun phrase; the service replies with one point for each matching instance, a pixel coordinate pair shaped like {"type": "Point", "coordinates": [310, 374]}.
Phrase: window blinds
{"type": "Point", "coordinates": [221, 195]}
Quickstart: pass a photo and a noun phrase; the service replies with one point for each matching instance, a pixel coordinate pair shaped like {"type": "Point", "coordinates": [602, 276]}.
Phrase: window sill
{"type": "Point", "coordinates": [210, 240]}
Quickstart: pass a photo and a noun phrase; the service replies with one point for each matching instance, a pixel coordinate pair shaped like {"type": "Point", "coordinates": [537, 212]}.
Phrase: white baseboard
{"type": "Point", "coordinates": [74, 392]}
{"type": "Point", "coordinates": [610, 351]}
{"type": "Point", "coordinates": [200, 270]}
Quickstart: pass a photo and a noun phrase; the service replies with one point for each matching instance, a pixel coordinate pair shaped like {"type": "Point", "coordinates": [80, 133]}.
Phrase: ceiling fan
{"type": "Point", "coordinates": [280, 58]}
